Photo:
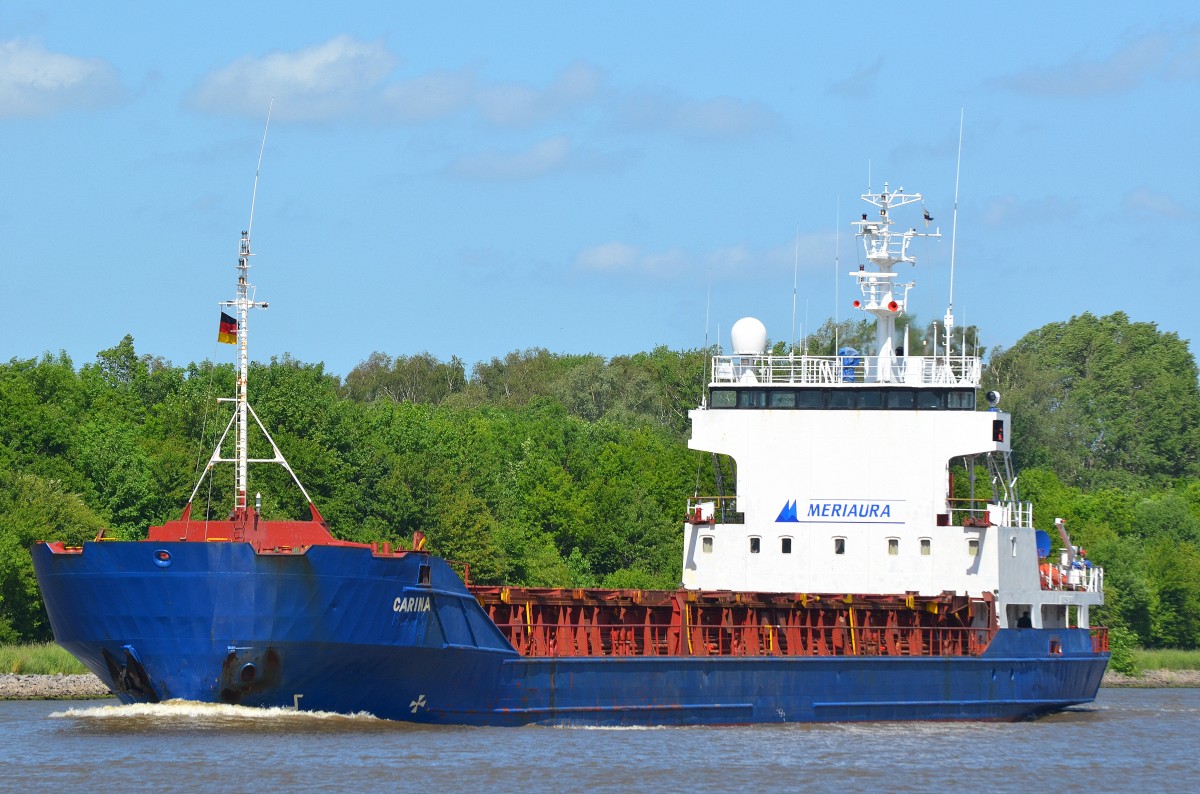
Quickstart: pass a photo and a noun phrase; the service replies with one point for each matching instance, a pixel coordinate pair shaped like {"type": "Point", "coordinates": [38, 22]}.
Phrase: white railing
{"type": "Point", "coordinates": [1011, 514]}
{"type": "Point", "coordinates": [839, 370]}
{"type": "Point", "coordinates": [1079, 576]}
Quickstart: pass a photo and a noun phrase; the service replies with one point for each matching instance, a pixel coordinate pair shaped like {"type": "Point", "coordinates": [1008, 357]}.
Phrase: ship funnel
{"type": "Point", "coordinates": [749, 337]}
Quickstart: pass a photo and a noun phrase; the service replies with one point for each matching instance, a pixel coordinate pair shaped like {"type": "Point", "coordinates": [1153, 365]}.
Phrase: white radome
{"type": "Point", "coordinates": [749, 336]}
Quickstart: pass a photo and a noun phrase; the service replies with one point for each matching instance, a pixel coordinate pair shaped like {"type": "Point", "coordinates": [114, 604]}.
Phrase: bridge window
{"type": "Point", "coordinates": [785, 545]}
{"type": "Point", "coordinates": [929, 400]}
{"type": "Point", "coordinates": [755, 545]}
{"type": "Point", "coordinates": [893, 546]}
{"type": "Point", "coordinates": [960, 400]}
{"type": "Point", "coordinates": [870, 399]}
{"type": "Point", "coordinates": [783, 399]}
{"type": "Point", "coordinates": [844, 399]}
{"type": "Point", "coordinates": [810, 398]}
{"type": "Point", "coordinates": [839, 545]}
{"type": "Point", "coordinates": [706, 544]}
{"type": "Point", "coordinates": [926, 547]}
{"type": "Point", "coordinates": [973, 547]}
{"type": "Point", "coordinates": [751, 398]}
{"type": "Point", "coordinates": [724, 398]}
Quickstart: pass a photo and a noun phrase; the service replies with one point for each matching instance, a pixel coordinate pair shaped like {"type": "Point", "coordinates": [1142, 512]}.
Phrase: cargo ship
{"type": "Point", "coordinates": [838, 579]}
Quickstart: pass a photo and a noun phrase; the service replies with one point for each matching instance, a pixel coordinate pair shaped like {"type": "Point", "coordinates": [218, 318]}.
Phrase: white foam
{"type": "Point", "coordinates": [193, 711]}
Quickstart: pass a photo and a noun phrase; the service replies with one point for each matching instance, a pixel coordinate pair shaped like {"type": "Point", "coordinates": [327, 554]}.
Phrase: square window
{"type": "Point", "coordinates": [893, 546]}
{"type": "Point", "coordinates": [810, 399]}
{"type": "Point", "coordinates": [870, 398]}
{"type": "Point", "coordinates": [785, 545]}
{"type": "Point", "coordinates": [783, 399]}
{"type": "Point", "coordinates": [839, 545]}
{"type": "Point", "coordinates": [724, 398]}
{"type": "Point", "coordinates": [842, 398]}
{"type": "Point", "coordinates": [706, 544]}
{"type": "Point", "coordinates": [926, 549]}
{"type": "Point", "coordinates": [755, 545]}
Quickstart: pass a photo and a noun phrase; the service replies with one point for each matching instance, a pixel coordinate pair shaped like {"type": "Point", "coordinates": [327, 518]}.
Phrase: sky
{"type": "Point", "coordinates": [473, 178]}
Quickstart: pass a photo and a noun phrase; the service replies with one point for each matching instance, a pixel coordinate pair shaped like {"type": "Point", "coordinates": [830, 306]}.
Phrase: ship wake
{"type": "Point", "coordinates": [192, 715]}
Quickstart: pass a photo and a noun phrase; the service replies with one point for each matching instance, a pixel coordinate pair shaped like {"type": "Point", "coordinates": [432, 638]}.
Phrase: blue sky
{"type": "Point", "coordinates": [475, 178]}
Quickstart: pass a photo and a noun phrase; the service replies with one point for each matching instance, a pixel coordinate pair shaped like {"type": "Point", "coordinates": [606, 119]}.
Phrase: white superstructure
{"type": "Point", "coordinates": [843, 469]}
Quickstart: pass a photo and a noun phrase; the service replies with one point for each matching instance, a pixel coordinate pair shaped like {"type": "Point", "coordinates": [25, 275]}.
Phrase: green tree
{"type": "Point", "coordinates": [1101, 401]}
{"type": "Point", "coordinates": [33, 508]}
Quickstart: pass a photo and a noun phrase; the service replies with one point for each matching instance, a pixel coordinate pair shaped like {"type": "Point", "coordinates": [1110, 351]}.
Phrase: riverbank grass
{"type": "Point", "coordinates": [40, 659]}
{"type": "Point", "coordinates": [1167, 659]}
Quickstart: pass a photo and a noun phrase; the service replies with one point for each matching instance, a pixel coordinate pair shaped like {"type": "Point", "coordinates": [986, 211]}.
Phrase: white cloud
{"type": "Point", "coordinates": [1012, 211]}
{"type": "Point", "coordinates": [1121, 71]}
{"type": "Point", "coordinates": [719, 118]}
{"type": "Point", "coordinates": [1148, 203]}
{"type": "Point", "coordinates": [617, 257]}
{"type": "Point", "coordinates": [540, 159]}
{"type": "Point", "coordinates": [315, 83]}
{"type": "Point", "coordinates": [734, 261]}
{"type": "Point", "coordinates": [859, 84]}
{"type": "Point", "coordinates": [347, 77]}
{"type": "Point", "coordinates": [608, 257]}
{"type": "Point", "coordinates": [429, 97]}
{"type": "Point", "coordinates": [37, 82]}
{"type": "Point", "coordinates": [1185, 64]}
{"type": "Point", "coordinates": [515, 104]}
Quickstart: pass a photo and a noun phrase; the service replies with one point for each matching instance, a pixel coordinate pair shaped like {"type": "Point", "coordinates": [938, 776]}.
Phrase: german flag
{"type": "Point", "coordinates": [227, 333]}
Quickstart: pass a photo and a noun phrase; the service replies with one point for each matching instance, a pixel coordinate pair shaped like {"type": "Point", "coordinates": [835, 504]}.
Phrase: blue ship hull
{"type": "Point", "coordinates": [340, 629]}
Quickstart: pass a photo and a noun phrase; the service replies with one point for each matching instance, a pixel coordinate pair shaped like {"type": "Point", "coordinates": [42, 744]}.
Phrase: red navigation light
{"type": "Point", "coordinates": [893, 306]}
{"type": "Point", "coordinates": [857, 304]}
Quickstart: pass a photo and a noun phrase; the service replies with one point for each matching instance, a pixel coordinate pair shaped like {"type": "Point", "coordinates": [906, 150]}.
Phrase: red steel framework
{"type": "Point", "coordinates": [547, 622]}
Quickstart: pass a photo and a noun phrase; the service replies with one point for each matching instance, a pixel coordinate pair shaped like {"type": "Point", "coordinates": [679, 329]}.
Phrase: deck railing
{"type": "Point", "coordinates": [833, 370]}
{"type": "Point", "coordinates": [1079, 576]}
{"type": "Point", "coordinates": [977, 513]}
{"type": "Point", "coordinates": [713, 510]}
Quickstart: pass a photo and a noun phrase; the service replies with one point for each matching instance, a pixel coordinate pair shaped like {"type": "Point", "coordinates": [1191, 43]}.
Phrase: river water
{"type": "Point", "coordinates": [1129, 739]}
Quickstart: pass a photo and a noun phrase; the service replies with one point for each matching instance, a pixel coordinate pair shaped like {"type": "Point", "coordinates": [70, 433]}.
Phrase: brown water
{"type": "Point", "coordinates": [1130, 739]}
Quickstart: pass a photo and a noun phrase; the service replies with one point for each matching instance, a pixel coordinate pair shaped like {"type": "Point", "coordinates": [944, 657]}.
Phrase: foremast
{"type": "Point", "coordinates": [242, 305]}
{"type": "Point", "coordinates": [243, 412]}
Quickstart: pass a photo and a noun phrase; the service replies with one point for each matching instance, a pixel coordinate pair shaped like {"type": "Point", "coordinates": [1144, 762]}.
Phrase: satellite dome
{"type": "Point", "coordinates": [749, 337]}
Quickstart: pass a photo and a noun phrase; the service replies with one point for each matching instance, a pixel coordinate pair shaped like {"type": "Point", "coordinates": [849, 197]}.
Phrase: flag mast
{"type": "Point", "coordinates": [243, 413]}
{"type": "Point", "coordinates": [243, 304]}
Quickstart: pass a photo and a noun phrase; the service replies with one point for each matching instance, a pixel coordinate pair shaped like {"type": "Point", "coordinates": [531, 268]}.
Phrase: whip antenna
{"type": "Point", "coordinates": [707, 358]}
{"type": "Point", "coordinates": [795, 277]}
{"type": "Point", "coordinates": [837, 266]}
{"type": "Point", "coordinates": [954, 222]}
{"type": "Point", "coordinates": [257, 168]}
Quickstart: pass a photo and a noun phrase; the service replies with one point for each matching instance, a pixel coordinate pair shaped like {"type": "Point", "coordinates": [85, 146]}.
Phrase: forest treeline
{"type": "Point", "coordinates": [573, 470]}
